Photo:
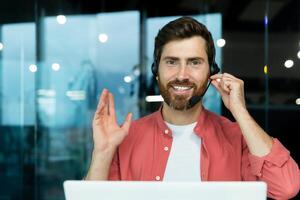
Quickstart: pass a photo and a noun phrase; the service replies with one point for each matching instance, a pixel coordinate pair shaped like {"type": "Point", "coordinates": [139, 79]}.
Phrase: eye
{"type": "Point", "coordinates": [171, 62]}
{"type": "Point", "coordinates": [195, 63]}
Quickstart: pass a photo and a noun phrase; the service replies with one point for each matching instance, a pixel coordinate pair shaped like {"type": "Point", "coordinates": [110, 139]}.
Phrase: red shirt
{"type": "Point", "coordinates": [142, 156]}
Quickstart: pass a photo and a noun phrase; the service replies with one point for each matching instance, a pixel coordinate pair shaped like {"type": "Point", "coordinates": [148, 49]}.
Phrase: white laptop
{"type": "Point", "coordinates": [123, 190]}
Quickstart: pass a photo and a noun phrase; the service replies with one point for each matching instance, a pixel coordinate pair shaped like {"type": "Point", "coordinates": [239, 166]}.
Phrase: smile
{"type": "Point", "coordinates": [182, 88]}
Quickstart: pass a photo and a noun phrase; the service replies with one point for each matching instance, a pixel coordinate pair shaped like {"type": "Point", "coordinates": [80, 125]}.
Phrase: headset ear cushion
{"type": "Point", "coordinates": [214, 69]}
{"type": "Point", "coordinates": [154, 69]}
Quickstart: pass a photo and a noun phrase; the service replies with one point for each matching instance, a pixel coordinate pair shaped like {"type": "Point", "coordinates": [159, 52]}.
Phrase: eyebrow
{"type": "Point", "coordinates": [188, 59]}
{"type": "Point", "coordinates": [195, 58]}
{"type": "Point", "coordinates": [170, 58]}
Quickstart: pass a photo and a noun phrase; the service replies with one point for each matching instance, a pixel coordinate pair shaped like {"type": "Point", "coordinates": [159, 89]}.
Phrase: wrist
{"type": "Point", "coordinates": [103, 152]}
{"type": "Point", "coordinates": [239, 111]}
{"type": "Point", "coordinates": [100, 164]}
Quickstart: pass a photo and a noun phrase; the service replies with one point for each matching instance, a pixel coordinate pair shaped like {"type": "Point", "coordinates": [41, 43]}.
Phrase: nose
{"type": "Point", "coordinates": [182, 72]}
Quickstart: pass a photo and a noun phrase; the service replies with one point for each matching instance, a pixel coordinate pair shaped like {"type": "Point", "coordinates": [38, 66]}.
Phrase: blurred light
{"type": "Point", "coordinates": [55, 66]}
{"type": "Point", "coordinates": [266, 69]}
{"type": "Point", "coordinates": [103, 37]}
{"type": "Point", "coordinates": [1, 46]}
{"type": "Point", "coordinates": [221, 42]}
{"type": "Point", "coordinates": [127, 79]}
{"type": "Point", "coordinates": [154, 98]}
{"type": "Point", "coordinates": [46, 93]}
{"type": "Point", "coordinates": [121, 90]}
{"type": "Point", "coordinates": [76, 95]}
{"type": "Point", "coordinates": [289, 63]}
{"type": "Point", "coordinates": [136, 72]}
{"type": "Point", "coordinates": [61, 19]}
{"type": "Point", "coordinates": [298, 101]}
{"type": "Point", "coordinates": [266, 20]}
{"type": "Point", "coordinates": [298, 54]}
{"type": "Point", "coordinates": [33, 68]}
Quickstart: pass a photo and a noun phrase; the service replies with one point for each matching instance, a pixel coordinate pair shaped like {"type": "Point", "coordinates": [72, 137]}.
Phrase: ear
{"type": "Point", "coordinates": [156, 78]}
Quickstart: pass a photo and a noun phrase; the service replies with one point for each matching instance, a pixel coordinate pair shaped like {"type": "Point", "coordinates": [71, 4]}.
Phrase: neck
{"type": "Point", "coordinates": [181, 117]}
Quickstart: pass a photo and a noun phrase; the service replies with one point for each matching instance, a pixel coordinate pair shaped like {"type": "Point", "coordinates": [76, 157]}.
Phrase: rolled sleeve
{"type": "Point", "coordinates": [278, 156]}
{"type": "Point", "coordinates": [278, 170]}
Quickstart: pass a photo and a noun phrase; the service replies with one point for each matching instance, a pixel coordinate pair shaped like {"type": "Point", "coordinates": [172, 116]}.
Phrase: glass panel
{"type": "Point", "coordinates": [81, 57]}
{"type": "Point", "coordinates": [17, 110]}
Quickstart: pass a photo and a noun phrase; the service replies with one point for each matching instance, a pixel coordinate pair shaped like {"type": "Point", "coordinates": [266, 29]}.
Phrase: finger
{"type": "Point", "coordinates": [227, 80]}
{"type": "Point", "coordinates": [111, 104]}
{"type": "Point", "coordinates": [232, 83]}
{"type": "Point", "coordinates": [216, 76]}
{"type": "Point", "coordinates": [218, 87]}
{"type": "Point", "coordinates": [127, 122]}
{"type": "Point", "coordinates": [226, 75]}
{"type": "Point", "coordinates": [229, 76]}
{"type": "Point", "coordinates": [225, 85]}
{"type": "Point", "coordinates": [101, 97]}
{"type": "Point", "coordinates": [102, 104]}
{"type": "Point", "coordinates": [223, 76]}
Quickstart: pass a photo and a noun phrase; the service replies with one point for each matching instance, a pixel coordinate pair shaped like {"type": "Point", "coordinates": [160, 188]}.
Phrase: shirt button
{"type": "Point", "coordinates": [166, 148]}
{"type": "Point", "coordinates": [259, 174]}
{"type": "Point", "coordinates": [166, 131]}
{"type": "Point", "coordinates": [157, 178]}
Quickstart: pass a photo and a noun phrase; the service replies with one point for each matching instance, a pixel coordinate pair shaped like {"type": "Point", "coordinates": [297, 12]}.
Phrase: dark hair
{"type": "Point", "coordinates": [182, 28]}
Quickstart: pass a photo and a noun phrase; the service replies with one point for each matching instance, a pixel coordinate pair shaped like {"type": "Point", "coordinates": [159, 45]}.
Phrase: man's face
{"type": "Point", "coordinates": [183, 71]}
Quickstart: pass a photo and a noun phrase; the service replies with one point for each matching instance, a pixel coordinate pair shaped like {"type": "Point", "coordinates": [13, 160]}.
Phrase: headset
{"type": "Point", "coordinates": [213, 69]}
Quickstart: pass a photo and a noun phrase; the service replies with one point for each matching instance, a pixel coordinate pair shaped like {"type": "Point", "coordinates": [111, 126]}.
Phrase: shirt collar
{"type": "Point", "coordinates": [200, 128]}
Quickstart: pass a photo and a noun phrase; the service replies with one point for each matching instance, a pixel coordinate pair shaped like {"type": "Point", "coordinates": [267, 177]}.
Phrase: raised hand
{"type": "Point", "coordinates": [231, 90]}
{"type": "Point", "coordinates": [107, 134]}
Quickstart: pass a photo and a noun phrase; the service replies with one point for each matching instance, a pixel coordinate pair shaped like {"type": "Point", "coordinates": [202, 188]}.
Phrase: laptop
{"type": "Point", "coordinates": [123, 190]}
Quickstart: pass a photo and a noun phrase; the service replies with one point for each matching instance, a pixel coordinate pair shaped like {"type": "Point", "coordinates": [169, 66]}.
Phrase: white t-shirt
{"type": "Point", "coordinates": [184, 159]}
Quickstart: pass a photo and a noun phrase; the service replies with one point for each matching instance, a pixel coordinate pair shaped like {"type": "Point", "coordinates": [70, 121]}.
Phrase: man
{"type": "Point", "coordinates": [215, 148]}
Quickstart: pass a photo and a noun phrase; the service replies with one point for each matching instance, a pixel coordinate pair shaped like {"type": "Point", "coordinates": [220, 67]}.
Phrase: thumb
{"type": "Point", "coordinates": [127, 122]}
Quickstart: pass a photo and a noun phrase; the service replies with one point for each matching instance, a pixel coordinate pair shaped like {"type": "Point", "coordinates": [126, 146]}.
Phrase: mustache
{"type": "Point", "coordinates": [184, 82]}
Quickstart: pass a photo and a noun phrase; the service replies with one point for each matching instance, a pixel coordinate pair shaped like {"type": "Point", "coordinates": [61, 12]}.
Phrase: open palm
{"type": "Point", "coordinates": [106, 132]}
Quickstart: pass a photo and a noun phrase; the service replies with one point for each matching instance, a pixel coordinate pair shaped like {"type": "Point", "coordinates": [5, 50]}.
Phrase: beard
{"type": "Point", "coordinates": [180, 102]}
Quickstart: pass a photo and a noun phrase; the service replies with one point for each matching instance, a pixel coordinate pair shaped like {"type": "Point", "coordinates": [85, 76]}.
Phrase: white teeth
{"type": "Point", "coordinates": [181, 88]}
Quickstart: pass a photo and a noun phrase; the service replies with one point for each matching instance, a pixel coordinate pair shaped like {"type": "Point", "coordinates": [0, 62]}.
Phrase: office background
{"type": "Point", "coordinates": [56, 56]}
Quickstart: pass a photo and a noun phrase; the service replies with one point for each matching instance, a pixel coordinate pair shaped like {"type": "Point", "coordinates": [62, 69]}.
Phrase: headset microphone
{"type": "Point", "coordinates": [195, 99]}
